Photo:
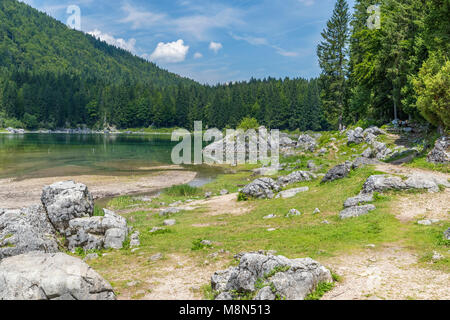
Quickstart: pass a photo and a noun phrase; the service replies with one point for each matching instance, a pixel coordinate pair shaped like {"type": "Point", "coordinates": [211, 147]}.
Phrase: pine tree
{"type": "Point", "coordinates": [333, 60]}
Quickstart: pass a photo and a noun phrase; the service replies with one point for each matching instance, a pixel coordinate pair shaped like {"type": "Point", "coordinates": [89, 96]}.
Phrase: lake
{"type": "Point", "coordinates": [37, 155]}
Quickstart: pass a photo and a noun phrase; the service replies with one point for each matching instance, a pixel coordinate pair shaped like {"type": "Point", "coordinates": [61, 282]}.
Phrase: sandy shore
{"type": "Point", "coordinates": [18, 194]}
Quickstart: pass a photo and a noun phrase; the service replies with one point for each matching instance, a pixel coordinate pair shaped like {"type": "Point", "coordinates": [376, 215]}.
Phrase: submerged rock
{"type": "Point", "coordinates": [289, 279]}
{"type": "Point", "coordinates": [51, 276]}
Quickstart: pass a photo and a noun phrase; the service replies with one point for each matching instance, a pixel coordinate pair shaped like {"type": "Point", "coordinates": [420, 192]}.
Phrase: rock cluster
{"type": "Point", "coordinates": [440, 153]}
{"type": "Point", "coordinates": [307, 143]}
{"type": "Point", "coordinates": [269, 277]}
{"type": "Point", "coordinates": [295, 177]}
{"type": "Point", "coordinates": [358, 205]}
{"type": "Point", "coordinates": [261, 188]}
{"type": "Point", "coordinates": [51, 276]}
{"type": "Point", "coordinates": [67, 209]}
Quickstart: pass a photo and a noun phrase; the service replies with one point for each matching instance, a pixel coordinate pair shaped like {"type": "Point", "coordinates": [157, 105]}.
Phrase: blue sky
{"type": "Point", "coordinates": [209, 41]}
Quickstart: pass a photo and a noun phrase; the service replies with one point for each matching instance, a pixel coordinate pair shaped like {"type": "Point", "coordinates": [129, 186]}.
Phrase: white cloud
{"type": "Point", "coordinates": [117, 42]}
{"type": "Point", "coordinates": [256, 41]}
{"type": "Point", "coordinates": [215, 46]}
{"type": "Point", "coordinates": [140, 18]}
{"type": "Point", "coordinates": [198, 55]}
{"type": "Point", "coordinates": [197, 25]}
{"type": "Point", "coordinates": [171, 52]}
{"type": "Point", "coordinates": [307, 2]}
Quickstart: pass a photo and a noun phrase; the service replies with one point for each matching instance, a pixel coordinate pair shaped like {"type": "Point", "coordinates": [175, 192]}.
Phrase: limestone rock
{"type": "Point", "coordinates": [306, 142]}
{"type": "Point", "coordinates": [356, 211]}
{"type": "Point", "coordinates": [440, 153]}
{"type": "Point", "coordinates": [380, 183]}
{"type": "Point", "coordinates": [261, 188]}
{"type": "Point", "coordinates": [26, 230]}
{"type": "Point", "coordinates": [338, 172]}
{"type": "Point", "coordinates": [358, 200]}
{"type": "Point", "coordinates": [67, 200]}
{"type": "Point", "coordinates": [290, 279]}
{"type": "Point", "coordinates": [51, 276]}
{"type": "Point", "coordinates": [290, 193]}
{"type": "Point", "coordinates": [296, 176]}
{"type": "Point", "coordinates": [355, 136]}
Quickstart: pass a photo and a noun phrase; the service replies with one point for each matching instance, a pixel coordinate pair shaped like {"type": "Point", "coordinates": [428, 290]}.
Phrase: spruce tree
{"type": "Point", "coordinates": [333, 60]}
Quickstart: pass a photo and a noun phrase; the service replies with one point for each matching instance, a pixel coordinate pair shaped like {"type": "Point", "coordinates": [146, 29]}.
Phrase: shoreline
{"type": "Point", "coordinates": [24, 193]}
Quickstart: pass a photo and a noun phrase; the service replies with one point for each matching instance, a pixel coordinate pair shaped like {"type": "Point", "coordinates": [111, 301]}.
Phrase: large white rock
{"type": "Point", "coordinates": [290, 279]}
{"type": "Point", "coordinates": [26, 230]}
{"type": "Point", "coordinates": [67, 200]}
{"type": "Point", "coordinates": [51, 276]}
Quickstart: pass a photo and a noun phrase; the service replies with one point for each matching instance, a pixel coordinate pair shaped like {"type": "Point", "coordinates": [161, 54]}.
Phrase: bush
{"type": "Point", "coordinates": [13, 123]}
{"type": "Point", "coordinates": [248, 123]}
{"type": "Point", "coordinates": [30, 121]}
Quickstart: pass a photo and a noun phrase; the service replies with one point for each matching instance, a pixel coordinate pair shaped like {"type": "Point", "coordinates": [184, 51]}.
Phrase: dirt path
{"type": "Point", "coordinates": [176, 278]}
{"type": "Point", "coordinates": [220, 205]}
{"type": "Point", "coordinates": [387, 273]}
{"type": "Point", "coordinates": [391, 272]}
{"type": "Point", "coordinates": [18, 194]}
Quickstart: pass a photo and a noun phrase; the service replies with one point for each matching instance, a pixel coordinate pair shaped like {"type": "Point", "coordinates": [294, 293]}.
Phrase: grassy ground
{"type": "Point", "coordinates": [301, 236]}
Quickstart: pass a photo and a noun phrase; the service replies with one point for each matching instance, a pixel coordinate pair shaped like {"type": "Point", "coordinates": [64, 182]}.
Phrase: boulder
{"type": "Point", "coordinates": [374, 131]}
{"type": "Point", "coordinates": [307, 143]}
{"type": "Point", "coordinates": [356, 211]}
{"type": "Point", "coordinates": [90, 233]}
{"type": "Point", "coordinates": [51, 276]}
{"type": "Point", "coordinates": [447, 234]}
{"type": "Point", "coordinates": [285, 141]}
{"type": "Point", "coordinates": [440, 153]}
{"type": "Point", "coordinates": [368, 153]}
{"type": "Point", "coordinates": [355, 136]}
{"type": "Point", "coordinates": [26, 230]}
{"type": "Point", "coordinates": [380, 183]}
{"type": "Point", "coordinates": [358, 200]}
{"type": "Point", "coordinates": [114, 238]}
{"type": "Point", "coordinates": [290, 279]}
{"type": "Point", "coordinates": [381, 151]}
{"type": "Point", "coordinates": [338, 172]}
{"type": "Point", "coordinates": [67, 200]}
{"type": "Point", "coordinates": [297, 176]}
{"type": "Point", "coordinates": [261, 188]}
{"type": "Point", "coordinates": [424, 181]}
{"type": "Point", "coordinates": [290, 193]}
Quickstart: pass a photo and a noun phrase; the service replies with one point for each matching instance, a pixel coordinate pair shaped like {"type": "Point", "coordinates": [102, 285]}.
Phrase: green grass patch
{"type": "Point", "coordinates": [183, 190]}
{"type": "Point", "coordinates": [320, 291]}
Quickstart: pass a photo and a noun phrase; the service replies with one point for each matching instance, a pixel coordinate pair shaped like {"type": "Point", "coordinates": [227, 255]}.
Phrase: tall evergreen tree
{"type": "Point", "coordinates": [333, 59]}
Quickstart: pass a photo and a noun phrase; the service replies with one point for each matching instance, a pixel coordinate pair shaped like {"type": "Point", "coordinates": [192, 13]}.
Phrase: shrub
{"type": "Point", "coordinates": [248, 123]}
